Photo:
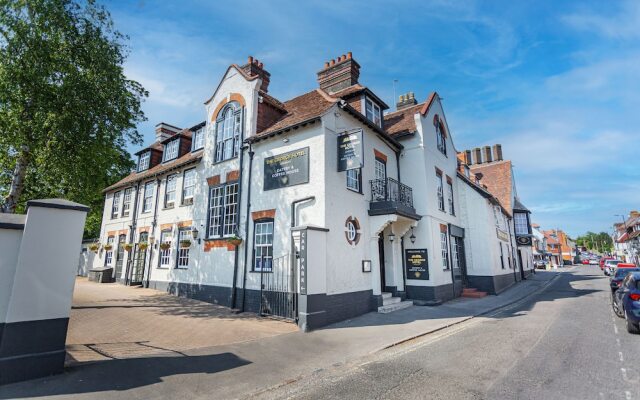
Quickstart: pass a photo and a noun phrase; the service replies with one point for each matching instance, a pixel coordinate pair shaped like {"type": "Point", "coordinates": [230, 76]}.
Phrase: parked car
{"type": "Point", "coordinates": [610, 265]}
{"type": "Point", "coordinates": [593, 261]}
{"type": "Point", "coordinates": [626, 301]}
{"type": "Point", "coordinates": [602, 261]}
{"type": "Point", "coordinates": [585, 261]}
{"type": "Point", "coordinates": [620, 273]}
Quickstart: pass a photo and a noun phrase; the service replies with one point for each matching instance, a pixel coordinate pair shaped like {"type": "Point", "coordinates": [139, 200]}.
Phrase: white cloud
{"type": "Point", "coordinates": [624, 25]}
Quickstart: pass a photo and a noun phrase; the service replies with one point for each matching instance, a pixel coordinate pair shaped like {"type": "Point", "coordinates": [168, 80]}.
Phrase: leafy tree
{"type": "Point", "coordinates": [67, 111]}
{"type": "Point", "coordinates": [596, 241]}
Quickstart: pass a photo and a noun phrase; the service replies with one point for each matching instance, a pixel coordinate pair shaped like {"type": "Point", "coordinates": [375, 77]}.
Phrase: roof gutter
{"type": "Point", "coordinates": [260, 137]}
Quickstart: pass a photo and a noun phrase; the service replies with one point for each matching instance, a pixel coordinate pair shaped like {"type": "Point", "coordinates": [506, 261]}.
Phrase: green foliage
{"type": "Point", "coordinates": [601, 242]}
{"type": "Point", "coordinates": [66, 106]}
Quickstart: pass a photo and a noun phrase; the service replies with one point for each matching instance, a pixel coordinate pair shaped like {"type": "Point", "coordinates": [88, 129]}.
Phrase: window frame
{"type": "Point", "coordinates": [376, 111]}
{"type": "Point", "coordinates": [440, 191]}
{"type": "Point", "coordinates": [146, 156]}
{"type": "Point", "coordinates": [165, 255]}
{"type": "Point", "coordinates": [150, 184]}
{"type": "Point", "coordinates": [173, 178]}
{"type": "Point", "coordinates": [115, 205]}
{"type": "Point", "coordinates": [452, 207]}
{"type": "Point", "coordinates": [175, 148]}
{"type": "Point", "coordinates": [444, 249]}
{"type": "Point", "coordinates": [184, 199]}
{"type": "Point", "coordinates": [199, 133]}
{"type": "Point", "coordinates": [357, 180]}
{"type": "Point", "coordinates": [180, 253]}
{"type": "Point", "coordinates": [126, 204]}
{"type": "Point", "coordinates": [256, 223]}
{"type": "Point", "coordinates": [108, 255]}
{"type": "Point", "coordinates": [441, 138]}
{"type": "Point", "coordinates": [222, 216]}
{"type": "Point", "coordinates": [518, 224]}
{"type": "Point", "coordinates": [237, 132]}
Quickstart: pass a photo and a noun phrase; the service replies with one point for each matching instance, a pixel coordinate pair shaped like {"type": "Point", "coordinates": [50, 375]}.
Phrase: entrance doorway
{"type": "Point", "coordinates": [383, 282]}
{"type": "Point", "coordinates": [139, 260]}
{"type": "Point", "coordinates": [521, 266]}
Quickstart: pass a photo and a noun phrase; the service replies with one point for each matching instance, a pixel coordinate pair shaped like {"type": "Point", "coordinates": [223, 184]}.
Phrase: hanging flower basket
{"type": "Point", "coordinates": [165, 246]}
{"type": "Point", "coordinates": [108, 247]}
{"type": "Point", "coordinates": [185, 244]}
{"type": "Point", "coordinates": [234, 240]}
{"type": "Point", "coordinates": [128, 246]}
{"type": "Point", "coordinates": [94, 247]}
{"type": "Point", "coordinates": [143, 246]}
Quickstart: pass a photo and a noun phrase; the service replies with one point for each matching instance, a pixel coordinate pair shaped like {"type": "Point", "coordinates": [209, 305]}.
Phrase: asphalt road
{"type": "Point", "coordinates": [561, 343]}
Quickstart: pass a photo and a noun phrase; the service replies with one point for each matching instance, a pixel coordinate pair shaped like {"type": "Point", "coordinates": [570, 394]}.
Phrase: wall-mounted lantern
{"type": "Point", "coordinates": [391, 237]}
{"type": "Point", "coordinates": [195, 233]}
{"type": "Point", "coordinates": [412, 237]}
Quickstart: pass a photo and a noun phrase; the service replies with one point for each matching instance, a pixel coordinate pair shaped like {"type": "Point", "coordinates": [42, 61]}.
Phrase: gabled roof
{"type": "Point", "coordinates": [160, 169]}
{"type": "Point", "coordinates": [153, 146]}
{"type": "Point", "coordinates": [517, 205]}
{"type": "Point", "coordinates": [402, 122]}
{"type": "Point", "coordinates": [302, 109]}
{"type": "Point", "coordinates": [483, 192]}
{"type": "Point", "coordinates": [357, 89]}
{"type": "Point", "coordinates": [498, 179]}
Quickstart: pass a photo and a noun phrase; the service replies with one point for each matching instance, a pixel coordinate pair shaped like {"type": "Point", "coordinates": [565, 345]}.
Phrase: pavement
{"type": "Point", "coordinates": [563, 342]}
{"type": "Point", "coordinates": [264, 366]}
{"type": "Point", "coordinates": [112, 321]}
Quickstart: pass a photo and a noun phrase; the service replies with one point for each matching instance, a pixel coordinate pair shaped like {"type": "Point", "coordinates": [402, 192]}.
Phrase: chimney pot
{"type": "Point", "coordinates": [477, 155]}
{"type": "Point", "coordinates": [349, 55]}
{"type": "Point", "coordinates": [344, 57]}
{"type": "Point", "coordinates": [497, 152]}
{"type": "Point", "coordinates": [326, 64]}
{"type": "Point", "coordinates": [487, 154]}
{"type": "Point", "coordinates": [260, 65]}
{"type": "Point", "coordinates": [406, 100]}
{"type": "Point", "coordinates": [250, 60]}
{"type": "Point", "coordinates": [333, 62]}
{"type": "Point", "coordinates": [339, 73]}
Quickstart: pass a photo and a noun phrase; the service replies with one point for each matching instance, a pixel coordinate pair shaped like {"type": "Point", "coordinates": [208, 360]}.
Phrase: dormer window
{"type": "Point", "coordinates": [143, 161]}
{"type": "Point", "coordinates": [521, 223]}
{"type": "Point", "coordinates": [171, 150]}
{"type": "Point", "coordinates": [372, 111]}
{"type": "Point", "coordinates": [198, 139]}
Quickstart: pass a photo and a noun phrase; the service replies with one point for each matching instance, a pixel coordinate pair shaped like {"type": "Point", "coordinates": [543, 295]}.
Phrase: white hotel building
{"type": "Point", "coordinates": [316, 209]}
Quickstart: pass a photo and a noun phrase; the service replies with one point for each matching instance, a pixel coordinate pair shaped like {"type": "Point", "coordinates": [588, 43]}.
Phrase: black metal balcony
{"type": "Point", "coordinates": [388, 196]}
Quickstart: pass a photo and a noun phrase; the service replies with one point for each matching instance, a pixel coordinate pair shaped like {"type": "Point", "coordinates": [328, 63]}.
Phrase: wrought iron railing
{"type": "Point", "coordinates": [391, 190]}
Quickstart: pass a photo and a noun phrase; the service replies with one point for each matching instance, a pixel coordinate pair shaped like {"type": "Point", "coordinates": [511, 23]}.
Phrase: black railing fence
{"type": "Point", "coordinates": [391, 190]}
{"type": "Point", "coordinates": [278, 294]}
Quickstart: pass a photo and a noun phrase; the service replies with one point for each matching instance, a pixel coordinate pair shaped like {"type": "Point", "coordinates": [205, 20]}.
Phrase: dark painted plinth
{"type": "Point", "coordinates": [318, 310]}
{"type": "Point", "coordinates": [442, 292]}
{"type": "Point", "coordinates": [491, 284]}
{"type": "Point", "coordinates": [32, 349]}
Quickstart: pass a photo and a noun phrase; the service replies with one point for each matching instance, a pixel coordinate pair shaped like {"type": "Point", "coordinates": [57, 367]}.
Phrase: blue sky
{"type": "Point", "coordinates": [557, 83]}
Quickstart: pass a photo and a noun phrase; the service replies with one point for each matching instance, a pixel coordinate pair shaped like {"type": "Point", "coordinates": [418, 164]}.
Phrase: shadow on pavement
{"type": "Point", "coordinates": [120, 375]}
{"type": "Point", "coordinates": [562, 288]}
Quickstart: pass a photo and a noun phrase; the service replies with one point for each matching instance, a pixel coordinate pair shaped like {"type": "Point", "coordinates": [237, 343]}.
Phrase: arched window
{"type": "Point", "coordinates": [228, 132]}
{"type": "Point", "coordinates": [441, 135]}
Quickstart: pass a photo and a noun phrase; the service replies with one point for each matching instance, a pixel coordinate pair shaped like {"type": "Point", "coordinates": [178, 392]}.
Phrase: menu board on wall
{"type": "Point", "coordinates": [288, 169]}
{"type": "Point", "coordinates": [350, 150]}
{"type": "Point", "coordinates": [417, 264]}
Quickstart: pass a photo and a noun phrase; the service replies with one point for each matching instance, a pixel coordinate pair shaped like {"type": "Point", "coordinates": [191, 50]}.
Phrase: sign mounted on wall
{"type": "Point", "coordinates": [502, 235]}
{"type": "Point", "coordinates": [417, 264]}
{"type": "Point", "coordinates": [288, 169]}
{"type": "Point", "coordinates": [350, 150]}
{"type": "Point", "coordinates": [302, 261]}
{"type": "Point", "coordinates": [524, 240]}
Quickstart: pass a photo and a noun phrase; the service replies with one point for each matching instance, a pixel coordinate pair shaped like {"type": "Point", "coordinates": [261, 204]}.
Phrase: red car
{"type": "Point", "coordinates": [585, 262]}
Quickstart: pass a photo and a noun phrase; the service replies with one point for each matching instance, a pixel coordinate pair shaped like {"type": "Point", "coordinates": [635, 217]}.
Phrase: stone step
{"type": "Point", "coordinates": [395, 307]}
{"type": "Point", "coordinates": [474, 295]}
{"type": "Point", "coordinates": [386, 295]}
{"type": "Point", "coordinates": [468, 289]}
{"type": "Point", "coordinates": [390, 300]}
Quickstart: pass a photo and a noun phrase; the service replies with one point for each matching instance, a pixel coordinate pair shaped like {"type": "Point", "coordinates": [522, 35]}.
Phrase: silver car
{"type": "Point", "coordinates": [610, 266]}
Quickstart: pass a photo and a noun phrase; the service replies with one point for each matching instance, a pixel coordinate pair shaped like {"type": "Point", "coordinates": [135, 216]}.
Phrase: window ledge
{"type": "Point", "coordinates": [168, 208]}
{"type": "Point", "coordinates": [223, 161]}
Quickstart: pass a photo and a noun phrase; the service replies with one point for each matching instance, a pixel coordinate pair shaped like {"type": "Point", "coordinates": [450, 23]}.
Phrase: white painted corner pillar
{"type": "Point", "coordinates": [34, 330]}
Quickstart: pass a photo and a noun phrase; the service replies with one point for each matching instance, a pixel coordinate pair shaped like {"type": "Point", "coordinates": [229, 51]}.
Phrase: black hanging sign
{"type": "Point", "coordinates": [417, 264]}
{"type": "Point", "coordinates": [350, 150]}
{"type": "Point", "coordinates": [286, 169]}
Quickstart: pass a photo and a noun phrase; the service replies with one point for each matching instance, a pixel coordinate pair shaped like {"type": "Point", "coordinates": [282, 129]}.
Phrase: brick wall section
{"type": "Point", "coordinates": [233, 175]}
{"type": "Point", "coordinates": [217, 243]}
{"type": "Point", "coordinates": [267, 116]}
{"type": "Point", "coordinates": [213, 180]}
{"type": "Point", "coordinates": [380, 155]}
{"type": "Point", "coordinates": [232, 97]}
{"type": "Point", "coordinates": [356, 102]}
{"type": "Point", "coordinates": [256, 215]}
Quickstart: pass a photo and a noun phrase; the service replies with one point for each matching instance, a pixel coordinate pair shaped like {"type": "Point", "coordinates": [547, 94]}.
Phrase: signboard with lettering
{"type": "Point", "coordinates": [502, 235]}
{"type": "Point", "coordinates": [350, 150]}
{"type": "Point", "coordinates": [288, 169]}
{"type": "Point", "coordinates": [417, 264]}
{"type": "Point", "coordinates": [302, 261]}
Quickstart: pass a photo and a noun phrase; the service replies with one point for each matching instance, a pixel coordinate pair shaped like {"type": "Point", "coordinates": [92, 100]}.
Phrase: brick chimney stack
{"type": "Point", "coordinates": [477, 155]}
{"type": "Point", "coordinates": [164, 130]}
{"type": "Point", "coordinates": [338, 74]}
{"type": "Point", "coordinates": [497, 152]}
{"type": "Point", "coordinates": [405, 101]}
{"type": "Point", "coordinates": [254, 67]}
{"type": "Point", "coordinates": [487, 154]}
